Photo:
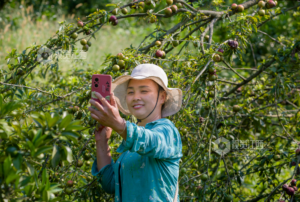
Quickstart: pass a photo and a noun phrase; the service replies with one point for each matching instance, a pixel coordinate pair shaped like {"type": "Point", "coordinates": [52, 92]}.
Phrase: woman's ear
{"type": "Point", "coordinates": [163, 96]}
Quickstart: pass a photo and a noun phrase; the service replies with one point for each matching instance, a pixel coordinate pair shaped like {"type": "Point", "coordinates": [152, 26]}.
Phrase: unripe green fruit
{"type": "Point", "coordinates": [217, 58]}
{"type": "Point", "coordinates": [86, 156]}
{"type": "Point", "coordinates": [204, 177]}
{"type": "Point", "coordinates": [261, 12]}
{"type": "Point", "coordinates": [85, 48]}
{"type": "Point", "coordinates": [83, 42]}
{"type": "Point", "coordinates": [212, 77]}
{"type": "Point", "coordinates": [169, 2]}
{"type": "Point", "coordinates": [261, 4]}
{"type": "Point", "coordinates": [206, 37]}
{"type": "Point", "coordinates": [124, 11]}
{"type": "Point", "coordinates": [236, 108]}
{"type": "Point", "coordinates": [13, 151]}
{"type": "Point", "coordinates": [240, 8]}
{"type": "Point", "coordinates": [148, 2]}
{"type": "Point", "coordinates": [175, 43]}
{"type": "Point", "coordinates": [179, 5]}
{"type": "Point", "coordinates": [116, 68]}
{"type": "Point", "coordinates": [277, 157]}
{"type": "Point", "coordinates": [183, 170]}
{"type": "Point", "coordinates": [121, 63]}
{"type": "Point", "coordinates": [142, 4]}
{"type": "Point", "coordinates": [79, 163]}
{"type": "Point", "coordinates": [74, 35]}
{"type": "Point", "coordinates": [228, 198]}
{"type": "Point", "coordinates": [152, 19]}
{"type": "Point", "coordinates": [211, 70]}
{"type": "Point", "coordinates": [158, 43]}
{"type": "Point", "coordinates": [69, 190]}
{"type": "Point", "coordinates": [89, 43]}
{"type": "Point", "coordinates": [115, 11]}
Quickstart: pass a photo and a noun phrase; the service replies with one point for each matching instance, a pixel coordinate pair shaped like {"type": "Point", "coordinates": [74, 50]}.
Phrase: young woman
{"type": "Point", "coordinates": [148, 168]}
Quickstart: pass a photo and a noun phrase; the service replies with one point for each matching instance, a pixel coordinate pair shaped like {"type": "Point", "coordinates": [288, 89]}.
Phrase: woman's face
{"type": "Point", "coordinates": [141, 97]}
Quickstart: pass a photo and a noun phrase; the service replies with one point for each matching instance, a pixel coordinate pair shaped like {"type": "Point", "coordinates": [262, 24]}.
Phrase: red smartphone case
{"type": "Point", "coordinates": [101, 83]}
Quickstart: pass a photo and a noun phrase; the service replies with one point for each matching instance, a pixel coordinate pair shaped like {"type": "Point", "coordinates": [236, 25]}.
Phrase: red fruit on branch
{"type": "Point", "coordinates": [297, 151]}
{"type": "Point", "coordinates": [121, 56]}
{"type": "Point", "coordinates": [80, 23]}
{"type": "Point", "coordinates": [112, 18]}
{"type": "Point", "coordinates": [174, 8]}
{"type": "Point", "coordinates": [168, 11]}
{"type": "Point", "coordinates": [290, 191]}
{"type": "Point", "coordinates": [233, 6]}
{"type": "Point", "coordinates": [70, 183]}
{"type": "Point", "coordinates": [114, 23]}
{"type": "Point", "coordinates": [159, 53]}
{"type": "Point", "coordinates": [270, 4]}
{"type": "Point", "coordinates": [221, 50]}
{"type": "Point", "coordinates": [285, 187]}
{"type": "Point", "coordinates": [233, 44]}
{"type": "Point", "coordinates": [293, 182]}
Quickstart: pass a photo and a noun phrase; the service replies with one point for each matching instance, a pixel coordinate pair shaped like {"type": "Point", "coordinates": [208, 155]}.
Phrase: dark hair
{"type": "Point", "coordinates": [161, 90]}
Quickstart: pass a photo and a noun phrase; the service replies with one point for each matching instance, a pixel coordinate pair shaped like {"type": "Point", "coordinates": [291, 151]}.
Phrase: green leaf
{"type": "Point", "coordinates": [65, 122]}
{"type": "Point", "coordinates": [11, 177]}
{"type": "Point", "coordinates": [114, 5]}
{"type": "Point", "coordinates": [17, 162]}
{"type": "Point", "coordinates": [42, 150]}
{"type": "Point", "coordinates": [71, 136]}
{"type": "Point", "coordinates": [56, 156]}
{"type": "Point", "coordinates": [37, 136]}
{"type": "Point", "coordinates": [7, 166]}
{"type": "Point", "coordinates": [30, 168]}
{"type": "Point", "coordinates": [51, 121]}
{"type": "Point", "coordinates": [68, 153]}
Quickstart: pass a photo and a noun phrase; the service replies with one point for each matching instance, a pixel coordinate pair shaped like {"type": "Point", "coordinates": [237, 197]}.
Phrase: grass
{"type": "Point", "coordinates": [108, 40]}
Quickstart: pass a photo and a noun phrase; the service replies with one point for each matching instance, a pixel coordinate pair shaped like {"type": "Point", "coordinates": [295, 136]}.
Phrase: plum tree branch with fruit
{"type": "Point", "coordinates": [43, 123]}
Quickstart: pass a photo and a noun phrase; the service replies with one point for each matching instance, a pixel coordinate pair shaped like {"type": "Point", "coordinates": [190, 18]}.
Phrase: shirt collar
{"type": "Point", "coordinates": [156, 121]}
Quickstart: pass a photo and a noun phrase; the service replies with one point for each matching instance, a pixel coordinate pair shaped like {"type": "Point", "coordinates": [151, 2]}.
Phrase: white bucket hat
{"type": "Point", "coordinates": [157, 74]}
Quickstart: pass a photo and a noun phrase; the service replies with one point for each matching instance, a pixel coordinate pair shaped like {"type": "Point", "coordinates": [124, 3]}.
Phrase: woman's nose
{"type": "Point", "coordinates": [136, 96]}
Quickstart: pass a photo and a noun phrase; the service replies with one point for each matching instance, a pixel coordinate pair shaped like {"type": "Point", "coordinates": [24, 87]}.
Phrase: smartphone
{"type": "Point", "coordinates": [101, 83]}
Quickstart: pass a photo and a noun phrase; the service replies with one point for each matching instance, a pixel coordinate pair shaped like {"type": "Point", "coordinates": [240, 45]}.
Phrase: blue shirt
{"type": "Point", "coordinates": [149, 164]}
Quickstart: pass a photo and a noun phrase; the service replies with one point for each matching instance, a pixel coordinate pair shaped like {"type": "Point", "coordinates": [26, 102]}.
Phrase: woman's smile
{"type": "Point", "coordinates": [137, 106]}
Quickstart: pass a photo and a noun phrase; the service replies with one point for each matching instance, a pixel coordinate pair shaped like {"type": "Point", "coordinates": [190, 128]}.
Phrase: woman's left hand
{"type": "Point", "coordinates": [108, 114]}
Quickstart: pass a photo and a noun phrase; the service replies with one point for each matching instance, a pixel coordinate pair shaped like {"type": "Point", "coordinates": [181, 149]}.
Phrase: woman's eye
{"type": "Point", "coordinates": [129, 92]}
{"type": "Point", "coordinates": [144, 91]}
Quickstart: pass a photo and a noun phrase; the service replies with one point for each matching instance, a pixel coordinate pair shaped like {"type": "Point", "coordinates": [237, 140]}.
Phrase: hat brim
{"type": "Point", "coordinates": [172, 104]}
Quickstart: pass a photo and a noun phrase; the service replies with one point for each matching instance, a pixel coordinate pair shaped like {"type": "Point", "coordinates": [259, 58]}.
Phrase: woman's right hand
{"type": "Point", "coordinates": [103, 135]}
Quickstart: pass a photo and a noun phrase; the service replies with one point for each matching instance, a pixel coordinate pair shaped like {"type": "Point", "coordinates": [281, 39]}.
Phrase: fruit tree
{"type": "Point", "coordinates": [237, 64]}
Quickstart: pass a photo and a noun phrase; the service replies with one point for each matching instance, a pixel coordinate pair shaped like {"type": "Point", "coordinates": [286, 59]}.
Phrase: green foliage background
{"type": "Point", "coordinates": [44, 140]}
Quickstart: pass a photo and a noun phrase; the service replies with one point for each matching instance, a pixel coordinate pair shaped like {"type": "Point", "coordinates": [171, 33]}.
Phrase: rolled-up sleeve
{"type": "Point", "coordinates": [161, 142]}
{"type": "Point", "coordinates": [105, 176]}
